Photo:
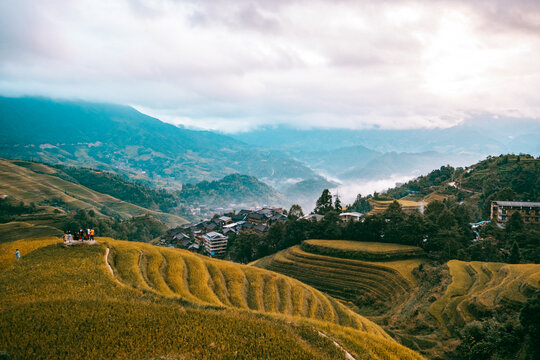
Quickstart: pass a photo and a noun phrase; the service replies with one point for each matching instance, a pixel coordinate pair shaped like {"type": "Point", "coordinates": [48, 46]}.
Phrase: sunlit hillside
{"type": "Point", "coordinates": [119, 300]}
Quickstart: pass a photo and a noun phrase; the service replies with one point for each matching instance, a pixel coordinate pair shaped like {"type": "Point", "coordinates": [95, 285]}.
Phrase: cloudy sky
{"type": "Point", "coordinates": [234, 65]}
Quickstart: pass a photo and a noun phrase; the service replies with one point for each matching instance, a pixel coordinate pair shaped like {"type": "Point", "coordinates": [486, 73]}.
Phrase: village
{"type": "Point", "coordinates": [211, 236]}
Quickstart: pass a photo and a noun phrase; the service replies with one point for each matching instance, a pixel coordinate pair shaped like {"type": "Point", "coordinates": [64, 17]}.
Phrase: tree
{"type": "Point", "coordinates": [361, 204]}
{"type": "Point", "coordinates": [515, 255]}
{"type": "Point", "coordinates": [515, 223]}
{"type": "Point", "coordinates": [337, 204]}
{"type": "Point", "coordinates": [324, 203]}
{"type": "Point", "coordinates": [295, 212]}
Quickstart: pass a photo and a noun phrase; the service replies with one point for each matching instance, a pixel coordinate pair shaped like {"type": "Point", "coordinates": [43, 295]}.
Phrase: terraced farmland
{"type": "Point", "coordinates": [479, 287]}
{"type": "Point", "coordinates": [210, 282]}
{"type": "Point", "coordinates": [120, 300]}
{"type": "Point", "coordinates": [36, 184]}
{"type": "Point", "coordinates": [361, 250]}
{"type": "Point", "coordinates": [348, 279]}
{"type": "Point", "coordinates": [380, 206]}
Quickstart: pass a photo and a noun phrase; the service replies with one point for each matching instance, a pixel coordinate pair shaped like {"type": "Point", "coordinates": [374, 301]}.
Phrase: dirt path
{"type": "Point", "coordinates": [347, 354]}
{"type": "Point", "coordinates": [107, 263]}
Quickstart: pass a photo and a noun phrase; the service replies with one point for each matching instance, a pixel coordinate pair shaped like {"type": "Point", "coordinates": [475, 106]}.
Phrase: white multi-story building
{"type": "Point", "coordinates": [215, 244]}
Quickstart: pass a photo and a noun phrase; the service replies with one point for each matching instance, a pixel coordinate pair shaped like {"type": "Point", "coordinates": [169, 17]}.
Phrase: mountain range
{"type": "Point", "coordinates": [298, 163]}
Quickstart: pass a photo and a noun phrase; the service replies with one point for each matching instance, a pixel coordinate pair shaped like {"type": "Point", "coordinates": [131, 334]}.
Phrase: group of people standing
{"type": "Point", "coordinates": [82, 234]}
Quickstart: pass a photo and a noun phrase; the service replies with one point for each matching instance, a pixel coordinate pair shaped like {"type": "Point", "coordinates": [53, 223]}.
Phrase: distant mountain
{"type": "Point", "coordinates": [306, 192]}
{"type": "Point", "coordinates": [121, 139]}
{"type": "Point", "coordinates": [337, 161]}
{"type": "Point", "coordinates": [410, 164]}
{"type": "Point", "coordinates": [234, 189]}
{"type": "Point", "coordinates": [482, 134]}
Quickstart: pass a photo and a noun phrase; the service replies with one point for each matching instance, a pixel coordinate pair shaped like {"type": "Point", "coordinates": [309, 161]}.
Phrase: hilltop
{"type": "Point", "coordinates": [131, 300]}
{"type": "Point", "coordinates": [430, 308]}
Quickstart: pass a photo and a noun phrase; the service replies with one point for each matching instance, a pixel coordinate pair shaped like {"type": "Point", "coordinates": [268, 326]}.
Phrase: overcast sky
{"type": "Point", "coordinates": [234, 65]}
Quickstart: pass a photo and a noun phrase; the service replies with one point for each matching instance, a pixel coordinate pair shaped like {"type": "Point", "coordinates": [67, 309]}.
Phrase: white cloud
{"type": "Point", "coordinates": [234, 65]}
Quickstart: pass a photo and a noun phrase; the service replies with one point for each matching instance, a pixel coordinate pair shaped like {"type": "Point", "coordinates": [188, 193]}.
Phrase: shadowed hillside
{"type": "Point", "coordinates": [423, 306]}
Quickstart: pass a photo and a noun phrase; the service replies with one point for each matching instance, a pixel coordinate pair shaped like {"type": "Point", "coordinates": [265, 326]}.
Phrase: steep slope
{"type": "Point", "coordinates": [119, 138]}
{"type": "Point", "coordinates": [351, 271]}
{"type": "Point", "coordinates": [480, 287]}
{"type": "Point", "coordinates": [518, 177]}
{"type": "Point", "coordinates": [130, 300]}
{"type": "Point", "coordinates": [32, 182]}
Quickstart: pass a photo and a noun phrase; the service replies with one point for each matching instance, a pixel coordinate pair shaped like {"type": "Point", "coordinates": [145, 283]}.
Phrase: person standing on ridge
{"type": "Point", "coordinates": [17, 254]}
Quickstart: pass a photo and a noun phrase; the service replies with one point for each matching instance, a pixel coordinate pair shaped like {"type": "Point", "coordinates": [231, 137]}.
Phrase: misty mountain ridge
{"type": "Point", "coordinates": [121, 139]}
{"type": "Point", "coordinates": [482, 135]}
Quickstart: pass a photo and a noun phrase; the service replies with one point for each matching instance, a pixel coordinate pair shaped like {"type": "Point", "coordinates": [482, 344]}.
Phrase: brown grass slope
{"type": "Point", "coordinates": [481, 287]}
{"type": "Point", "coordinates": [424, 312]}
{"type": "Point", "coordinates": [35, 183]}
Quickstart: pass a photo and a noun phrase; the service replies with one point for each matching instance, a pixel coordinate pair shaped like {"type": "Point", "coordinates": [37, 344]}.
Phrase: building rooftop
{"type": "Point", "coordinates": [518, 203]}
{"type": "Point", "coordinates": [214, 235]}
{"type": "Point", "coordinates": [354, 213]}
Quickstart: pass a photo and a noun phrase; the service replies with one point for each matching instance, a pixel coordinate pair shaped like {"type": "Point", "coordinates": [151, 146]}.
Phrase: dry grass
{"type": "Point", "coordinates": [63, 303]}
{"type": "Point", "coordinates": [486, 286]}
{"type": "Point", "coordinates": [22, 183]}
{"type": "Point", "coordinates": [344, 278]}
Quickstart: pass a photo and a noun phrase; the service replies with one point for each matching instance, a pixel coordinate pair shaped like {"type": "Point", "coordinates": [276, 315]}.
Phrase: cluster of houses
{"type": "Point", "coordinates": [211, 236]}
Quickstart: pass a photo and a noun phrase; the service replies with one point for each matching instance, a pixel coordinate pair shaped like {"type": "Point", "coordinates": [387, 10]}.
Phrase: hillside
{"type": "Point", "coordinates": [425, 307]}
{"type": "Point", "coordinates": [232, 189]}
{"type": "Point", "coordinates": [505, 177]}
{"type": "Point", "coordinates": [55, 199]}
{"type": "Point", "coordinates": [119, 138]}
{"type": "Point", "coordinates": [120, 300]}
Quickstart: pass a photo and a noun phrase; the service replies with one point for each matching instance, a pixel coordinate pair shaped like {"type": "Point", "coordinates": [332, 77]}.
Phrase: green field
{"type": "Point", "coordinates": [119, 300]}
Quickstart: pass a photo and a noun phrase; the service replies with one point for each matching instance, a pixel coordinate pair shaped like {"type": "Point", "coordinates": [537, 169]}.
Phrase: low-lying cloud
{"type": "Point", "coordinates": [236, 65]}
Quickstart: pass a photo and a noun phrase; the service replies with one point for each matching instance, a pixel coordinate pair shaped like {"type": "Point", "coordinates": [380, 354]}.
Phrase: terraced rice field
{"type": "Point", "coordinates": [361, 250]}
{"type": "Point", "coordinates": [480, 286]}
{"type": "Point", "coordinates": [210, 282]}
{"type": "Point", "coordinates": [344, 278]}
{"type": "Point", "coordinates": [127, 300]}
{"type": "Point", "coordinates": [380, 206]}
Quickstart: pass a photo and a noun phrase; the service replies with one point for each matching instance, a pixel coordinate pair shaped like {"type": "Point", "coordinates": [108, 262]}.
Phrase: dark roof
{"type": "Point", "coordinates": [261, 228]}
{"type": "Point", "coordinates": [185, 242]}
{"type": "Point", "coordinates": [211, 226]}
{"type": "Point", "coordinates": [244, 212]}
{"type": "Point", "coordinates": [247, 224]}
{"type": "Point", "coordinates": [278, 216]}
{"type": "Point", "coordinates": [256, 216]}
